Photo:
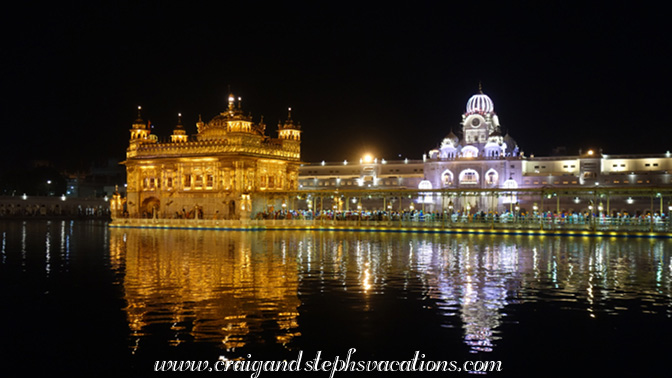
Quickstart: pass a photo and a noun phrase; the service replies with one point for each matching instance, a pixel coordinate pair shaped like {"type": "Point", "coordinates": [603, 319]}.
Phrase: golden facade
{"type": "Point", "coordinates": [228, 170]}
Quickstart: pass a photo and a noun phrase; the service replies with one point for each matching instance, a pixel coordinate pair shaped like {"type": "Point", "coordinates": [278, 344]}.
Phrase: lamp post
{"type": "Point", "coordinates": [517, 215]}
{"type": "Point", "coordinates": [359, 210]}
{"type": "Point", "coordinates": [450, 213]}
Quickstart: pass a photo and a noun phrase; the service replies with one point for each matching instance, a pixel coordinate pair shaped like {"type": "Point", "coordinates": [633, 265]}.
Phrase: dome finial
{"type": "Point", "coordinates": [480, 87]}
{"type": "Point", "coordinates": [179, 121]}
{"type": "Point", "coordinates": [139, 120]}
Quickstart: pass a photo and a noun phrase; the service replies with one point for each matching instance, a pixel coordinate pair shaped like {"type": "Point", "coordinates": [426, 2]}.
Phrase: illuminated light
{"type": "Point", "coordinates": [367, 158]}
{"type": "Point", "coordinates": [323, 162]}
{"type": "Point", "coordinates": [590, 152]}
{"type": "Point", "coordinates": [63, 197]}
{"type": "Point", "coordinates": [24, 196]}
{"type": "Point", "coordinates": [345, 162]}
{"type": "Point", "coordinates": [630, 201]}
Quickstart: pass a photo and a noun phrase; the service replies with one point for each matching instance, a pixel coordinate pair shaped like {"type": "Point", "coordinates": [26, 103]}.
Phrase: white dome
{"type": "Point", "coordinates": [480, 103]}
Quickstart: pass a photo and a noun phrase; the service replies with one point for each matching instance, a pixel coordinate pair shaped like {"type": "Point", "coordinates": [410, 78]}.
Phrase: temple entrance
{"type": "Point", "coordinates": [150, 207]}
{"type": "Point", "coordinates": [232, 209]}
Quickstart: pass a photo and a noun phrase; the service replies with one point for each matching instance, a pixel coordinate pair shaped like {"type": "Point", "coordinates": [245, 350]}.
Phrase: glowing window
{"type": "Point", "coordinates": [447, 178]}
{"type": "Point", "coordinates": [491, 177]}
{"type": "Point", "coordinates": [469, 176]}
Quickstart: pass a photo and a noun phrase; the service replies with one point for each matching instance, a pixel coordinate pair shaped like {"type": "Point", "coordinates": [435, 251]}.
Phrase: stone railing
{"type": "Point", "coordinates": [459, 224]}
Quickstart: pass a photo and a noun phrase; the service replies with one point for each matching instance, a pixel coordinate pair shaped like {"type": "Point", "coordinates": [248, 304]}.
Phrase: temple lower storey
{"type": "Point", "coordinates": [598, 228]}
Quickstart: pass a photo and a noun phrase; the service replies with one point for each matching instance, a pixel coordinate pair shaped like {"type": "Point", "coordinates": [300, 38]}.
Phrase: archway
{"type": "Point", "coordinates": [149, 207]}
{"type": "Point", "coordinates": [447, 178]}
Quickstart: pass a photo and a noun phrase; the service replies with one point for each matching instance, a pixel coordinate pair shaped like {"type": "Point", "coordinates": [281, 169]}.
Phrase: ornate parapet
{"type": "Point", "coordinates": [249, 146]}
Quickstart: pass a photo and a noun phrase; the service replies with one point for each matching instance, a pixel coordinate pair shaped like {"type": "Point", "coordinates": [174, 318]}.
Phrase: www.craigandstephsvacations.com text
{"type": "Point", "coordinates": [317, 364]}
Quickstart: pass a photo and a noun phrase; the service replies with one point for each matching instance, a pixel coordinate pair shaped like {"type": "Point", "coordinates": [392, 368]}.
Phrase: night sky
{"type": "Point", "coordinates": [391, 80]}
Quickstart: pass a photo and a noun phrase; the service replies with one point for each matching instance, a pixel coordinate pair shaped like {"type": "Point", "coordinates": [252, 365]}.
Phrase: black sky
{"type": "Point", "coordinates": [393, 80]}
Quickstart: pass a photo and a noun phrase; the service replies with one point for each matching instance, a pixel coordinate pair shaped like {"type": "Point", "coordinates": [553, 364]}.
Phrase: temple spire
{"type": "Point", "coordinates": [179, 134]}
{"type": "Point", "coordinates": [139, 119]}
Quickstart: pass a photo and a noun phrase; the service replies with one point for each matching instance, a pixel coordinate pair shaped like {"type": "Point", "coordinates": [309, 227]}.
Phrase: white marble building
{"type": "Point", "coordinates": [480, 156]}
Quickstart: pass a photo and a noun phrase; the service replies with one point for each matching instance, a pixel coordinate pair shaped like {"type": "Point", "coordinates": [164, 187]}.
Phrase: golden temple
{"type": "Point", "coordinates": [228, 170]}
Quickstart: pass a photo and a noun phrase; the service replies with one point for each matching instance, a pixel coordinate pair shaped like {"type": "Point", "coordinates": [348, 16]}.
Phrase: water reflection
{"type": "Point", "coordinates": [243, 289]}
{"type": "Point", "coordinates": [29, 242]}
{"type": "Point", "coordinates": [207, 286]}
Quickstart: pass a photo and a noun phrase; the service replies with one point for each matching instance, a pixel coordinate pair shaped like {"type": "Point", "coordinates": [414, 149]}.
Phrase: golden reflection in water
{"type": "Point", "coordinates": [221, 285]}
{"type": "Point", "coordinates": [207, 286]}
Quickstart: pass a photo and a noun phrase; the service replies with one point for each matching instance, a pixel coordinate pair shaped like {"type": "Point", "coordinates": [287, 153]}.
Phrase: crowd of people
{"type": "Point", "coordinates": [43, 210]}
{"type": "Point", "coordinates": [547, 217]}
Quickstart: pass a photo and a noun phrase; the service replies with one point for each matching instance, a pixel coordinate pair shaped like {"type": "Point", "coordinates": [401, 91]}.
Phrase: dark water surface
{"type": "Point", "coordinates": [82, 299]}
